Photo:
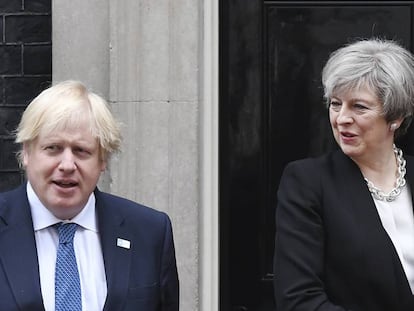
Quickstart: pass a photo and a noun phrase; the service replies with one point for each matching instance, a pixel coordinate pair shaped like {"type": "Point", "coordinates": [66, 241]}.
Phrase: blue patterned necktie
{"type": "Point", "coordinates": [67, 283]}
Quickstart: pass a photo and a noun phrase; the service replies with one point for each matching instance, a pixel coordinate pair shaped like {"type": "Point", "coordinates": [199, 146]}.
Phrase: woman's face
{"type": "Point", "coordinates": [358, 124]}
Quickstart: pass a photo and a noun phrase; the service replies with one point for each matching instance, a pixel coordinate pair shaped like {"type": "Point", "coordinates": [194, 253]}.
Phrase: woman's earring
{"type": "Point", "coordinates": [393, 126]}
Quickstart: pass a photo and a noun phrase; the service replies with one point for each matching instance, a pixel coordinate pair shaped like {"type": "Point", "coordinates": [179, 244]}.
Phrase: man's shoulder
{"type": "Point", "coordinates": [127, 207]}
{"type": "Point", "coordinates": [15, 192]}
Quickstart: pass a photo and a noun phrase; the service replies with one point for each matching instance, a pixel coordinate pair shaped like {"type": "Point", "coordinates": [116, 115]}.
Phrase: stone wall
{"type": "Point", "coordinates": [156, 64]}
{"type": "Point", "coordinates": [144, 58]}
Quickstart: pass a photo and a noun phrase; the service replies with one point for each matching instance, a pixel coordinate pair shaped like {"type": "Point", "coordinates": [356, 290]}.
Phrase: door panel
{"type": "Point", "coordinates": [272, 112]}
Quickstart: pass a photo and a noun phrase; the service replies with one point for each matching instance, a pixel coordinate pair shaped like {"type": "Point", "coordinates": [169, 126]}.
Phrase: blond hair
{"type": "Point", "coordinates": [66, 105]}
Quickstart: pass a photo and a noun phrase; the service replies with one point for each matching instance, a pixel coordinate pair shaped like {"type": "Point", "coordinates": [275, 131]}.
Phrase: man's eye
{"type": "Point", "coordinates": [82, 151]}
{"type": "Point", "coordinates": [52, 148]}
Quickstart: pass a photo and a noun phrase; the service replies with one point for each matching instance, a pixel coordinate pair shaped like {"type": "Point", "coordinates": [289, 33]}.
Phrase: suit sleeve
{"type": "Point", "coordinates": [299, 259]}
{"type": "Point", "coordinates": [169, 275]}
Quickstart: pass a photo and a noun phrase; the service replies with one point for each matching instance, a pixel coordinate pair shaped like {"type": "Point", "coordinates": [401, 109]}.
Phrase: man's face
{"type": "Point", "coordinates": [63, 168]}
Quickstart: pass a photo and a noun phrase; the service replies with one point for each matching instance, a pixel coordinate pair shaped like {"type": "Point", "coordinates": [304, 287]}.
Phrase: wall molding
{"type": "Point", "coordinates": [209, 210]}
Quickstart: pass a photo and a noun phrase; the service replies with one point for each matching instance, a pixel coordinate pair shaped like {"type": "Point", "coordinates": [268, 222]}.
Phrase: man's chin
{"type": "Point", "coordinates": [65, 212]}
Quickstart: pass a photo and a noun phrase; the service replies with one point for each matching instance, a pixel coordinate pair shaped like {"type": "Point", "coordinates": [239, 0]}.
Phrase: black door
{"type": "Point", "coordinates": [272, 112]}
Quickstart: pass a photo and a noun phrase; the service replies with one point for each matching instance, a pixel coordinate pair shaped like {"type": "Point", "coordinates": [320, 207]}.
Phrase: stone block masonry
{"type": "Point", "coordinates": [25, 70]}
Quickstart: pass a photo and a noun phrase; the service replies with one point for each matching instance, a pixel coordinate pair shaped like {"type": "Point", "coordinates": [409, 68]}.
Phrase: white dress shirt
{"type": "Point", "coordinates": [87, 247]}
{"type": "Point", "coordinates": [398, 220]}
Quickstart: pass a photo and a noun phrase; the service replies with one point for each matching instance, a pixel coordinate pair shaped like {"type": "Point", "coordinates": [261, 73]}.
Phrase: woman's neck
{"type": "Point", "coordinates": [380, 169]}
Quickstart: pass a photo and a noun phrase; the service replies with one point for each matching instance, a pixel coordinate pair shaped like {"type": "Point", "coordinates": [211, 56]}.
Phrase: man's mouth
{"type": "Point", "coordinates": [65, 184]}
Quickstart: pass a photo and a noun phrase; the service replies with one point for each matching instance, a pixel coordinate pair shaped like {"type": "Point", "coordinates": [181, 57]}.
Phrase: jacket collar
{"type": "Point", "coordinates": [117, 259]}
{"type": "Point", "coordinates": [361, 203]}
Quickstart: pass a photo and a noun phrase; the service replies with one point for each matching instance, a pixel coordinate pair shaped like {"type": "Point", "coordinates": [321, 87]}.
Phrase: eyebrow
{"type": "Point", "coordinates": [370, 102]}
{"type": "Point", "coordinates": [354, 99]}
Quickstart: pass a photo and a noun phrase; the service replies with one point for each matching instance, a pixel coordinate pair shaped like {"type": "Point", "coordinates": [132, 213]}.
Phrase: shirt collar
{"type": "Point", "coordinates": [43, 218]}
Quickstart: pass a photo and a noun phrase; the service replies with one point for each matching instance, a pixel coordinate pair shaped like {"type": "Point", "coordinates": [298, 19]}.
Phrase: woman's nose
{"type": "Point", "coordinates": [344, 115]}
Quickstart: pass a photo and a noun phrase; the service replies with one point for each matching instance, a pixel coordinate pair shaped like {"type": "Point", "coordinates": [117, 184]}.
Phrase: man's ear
{"type": "Point", "coordinates": [103, 165]}
{"type": "Point", "coordinates": [25, 154]}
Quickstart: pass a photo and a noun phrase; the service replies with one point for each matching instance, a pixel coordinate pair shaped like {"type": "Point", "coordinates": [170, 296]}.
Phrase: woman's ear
{"type": "Point", "coordinates": [394, 125]}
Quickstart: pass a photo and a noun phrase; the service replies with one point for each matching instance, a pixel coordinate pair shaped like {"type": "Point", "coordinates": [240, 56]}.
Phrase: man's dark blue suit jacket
{"type": "Point", "coordinates": [143, 277]}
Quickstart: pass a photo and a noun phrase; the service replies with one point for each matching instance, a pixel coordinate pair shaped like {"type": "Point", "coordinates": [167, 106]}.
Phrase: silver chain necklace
{"type": "Point", "coordinates": [399, 184]}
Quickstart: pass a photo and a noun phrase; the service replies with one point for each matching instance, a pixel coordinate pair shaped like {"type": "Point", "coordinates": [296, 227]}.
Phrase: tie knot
{"type": "Point", "coordinates": [66, 232]}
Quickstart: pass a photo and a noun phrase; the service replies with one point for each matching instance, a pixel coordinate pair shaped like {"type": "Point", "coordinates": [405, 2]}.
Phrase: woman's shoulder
{"type": "Point", "coordinates": [318, 162]}
{"type": "Point", "coordinates": [409, 157]}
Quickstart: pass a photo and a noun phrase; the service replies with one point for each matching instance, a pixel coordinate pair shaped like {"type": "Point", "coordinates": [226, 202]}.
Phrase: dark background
{"type": "Point", "coordinates": [25, 70]}
{"type": "Point", "coordinates": [272, 112]}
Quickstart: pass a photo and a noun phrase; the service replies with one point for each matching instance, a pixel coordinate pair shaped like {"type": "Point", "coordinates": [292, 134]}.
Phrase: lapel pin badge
{"type": "Point", "coordinates": [123, 243]}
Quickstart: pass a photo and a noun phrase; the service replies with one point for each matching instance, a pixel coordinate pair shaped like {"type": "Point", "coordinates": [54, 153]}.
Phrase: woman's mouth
{"type": "Point", "coordinates": [347, 134]}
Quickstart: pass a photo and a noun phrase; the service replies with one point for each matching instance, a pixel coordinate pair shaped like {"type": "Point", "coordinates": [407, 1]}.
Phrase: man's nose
{"type": "Point", "coordinates": [67, 162]}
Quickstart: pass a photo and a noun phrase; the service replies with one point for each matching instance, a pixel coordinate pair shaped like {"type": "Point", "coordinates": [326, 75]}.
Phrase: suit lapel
{"type": "Point", "coordinates": [117, 259]}
{"type": "Point", "coordinates": [372, 233]}
{"type": "Point", "coordinates": [409, 177]}
{"type": "Point", "coordinates": [19, 255]}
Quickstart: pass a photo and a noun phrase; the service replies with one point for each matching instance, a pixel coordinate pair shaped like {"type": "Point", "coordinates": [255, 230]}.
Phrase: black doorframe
{"type": "Point", "coordinates": [241, 157]}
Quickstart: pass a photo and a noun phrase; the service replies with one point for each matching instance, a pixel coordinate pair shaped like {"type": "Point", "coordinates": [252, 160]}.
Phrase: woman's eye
{"type": "Point", "coordinates": [335, 105]}
{"type": "Point", "coordinates": [360, 107]}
